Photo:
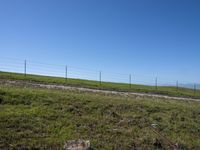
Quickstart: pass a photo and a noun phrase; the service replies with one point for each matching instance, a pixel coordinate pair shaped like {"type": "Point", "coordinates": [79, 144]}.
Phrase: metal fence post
{"type": "Point", "coordinates": [194, 89]}
{"type": "Point", "coordinates": [177, 86]}
{"type": "Point", "coordinates": [156, 83]}
{"type": "Point", "coordinates": [100, 77]}
{"type": "Point", "coordinates": [66, 69]}
{"type": "Point", "coordinates": [130, 80]}
{"type": "Point", "coordinates": [25, 68]}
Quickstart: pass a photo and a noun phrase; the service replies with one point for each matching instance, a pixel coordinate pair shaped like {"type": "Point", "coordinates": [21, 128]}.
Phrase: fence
{"type": "Point", "coordinates": [66, 71]}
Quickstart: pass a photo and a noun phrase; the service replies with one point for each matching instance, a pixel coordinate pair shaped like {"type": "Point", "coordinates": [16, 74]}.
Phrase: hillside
{"type": "Point", "coordinates": [32, 117]}
{"type": "Point", "coordinates": [161, 90]}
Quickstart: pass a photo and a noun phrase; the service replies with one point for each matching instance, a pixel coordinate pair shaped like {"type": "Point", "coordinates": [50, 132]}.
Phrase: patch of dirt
{"type": "Point", "coordinates": [64, 87]}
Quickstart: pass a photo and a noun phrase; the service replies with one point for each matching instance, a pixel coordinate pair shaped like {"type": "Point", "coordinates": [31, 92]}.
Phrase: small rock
{"type": "Point", "coordinates": [77, 145]}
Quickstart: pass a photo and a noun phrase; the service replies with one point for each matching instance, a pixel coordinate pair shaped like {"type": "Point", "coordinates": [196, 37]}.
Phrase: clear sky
{"type": "Point", "coordinates": [143, 37]}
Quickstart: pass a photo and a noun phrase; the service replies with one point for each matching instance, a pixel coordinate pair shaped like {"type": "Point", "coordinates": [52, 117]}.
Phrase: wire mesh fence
{"type": "Point", "coordinates": [66, 71]}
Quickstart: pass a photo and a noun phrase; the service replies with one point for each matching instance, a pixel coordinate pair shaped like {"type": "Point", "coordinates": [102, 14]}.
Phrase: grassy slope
{"type": "Point", "coordinates": [30, 117]}
{"type": "Point", "coordinates": [171, 91]}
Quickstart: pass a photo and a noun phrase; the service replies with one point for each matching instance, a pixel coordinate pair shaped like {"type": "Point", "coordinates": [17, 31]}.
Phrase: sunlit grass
{"type": "Point", "coordinates": [32, 118]}
{"type": "Point", "coordinates": [164, 90]}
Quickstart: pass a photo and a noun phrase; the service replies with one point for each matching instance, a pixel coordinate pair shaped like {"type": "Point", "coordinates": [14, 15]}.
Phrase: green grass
{"type": "Point", "coordinates": [33, 118]}
{"type": "Point", "coordinates": [164, 90]}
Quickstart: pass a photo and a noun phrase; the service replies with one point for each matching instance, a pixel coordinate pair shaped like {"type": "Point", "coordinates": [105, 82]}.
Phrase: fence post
{"type": "Point", "coordinates": [25, 68]}
{"type": "Point", "coordinates": [177, 85]}
{"type": "Point", "coordinates": [130, 80]}
{"type": "Point", "coordinates": [156, 83]}
{"type": "Point", "coordinates": [194, 89]}
{"type": "Point", "coordinates": [100, 77]}
{"type": "Point", "coordinates": [66, 69]}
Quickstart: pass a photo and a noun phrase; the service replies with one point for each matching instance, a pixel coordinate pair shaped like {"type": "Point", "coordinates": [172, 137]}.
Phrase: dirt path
{"type": "Point", "coordinates": [64, 87]}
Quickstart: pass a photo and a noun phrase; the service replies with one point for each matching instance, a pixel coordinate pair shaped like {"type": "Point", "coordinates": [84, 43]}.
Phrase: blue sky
{"type": "Point", "coordinates": [142, 37]}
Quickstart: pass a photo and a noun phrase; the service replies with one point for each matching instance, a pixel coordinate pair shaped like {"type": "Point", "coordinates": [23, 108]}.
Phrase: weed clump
{"type": "Point", "coordinates": [1, 99]}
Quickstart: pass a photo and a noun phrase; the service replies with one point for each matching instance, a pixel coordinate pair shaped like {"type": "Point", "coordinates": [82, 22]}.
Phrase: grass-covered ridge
{"type": "Point", "coordinates": [162, 90]}
{"type": "Point", "coordinates": [41, 117]}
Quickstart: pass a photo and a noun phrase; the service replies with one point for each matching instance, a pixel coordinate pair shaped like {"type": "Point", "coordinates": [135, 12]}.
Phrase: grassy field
{"type": "Point", "coordinates": [164, 90]}
{"type": "Point", "coordinates": [32, 118]}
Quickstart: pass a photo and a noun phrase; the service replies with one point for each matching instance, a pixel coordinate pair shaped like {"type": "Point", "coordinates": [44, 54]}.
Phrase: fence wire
{"type": "Point", "coordinates": [57, 70]}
